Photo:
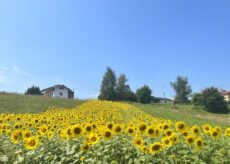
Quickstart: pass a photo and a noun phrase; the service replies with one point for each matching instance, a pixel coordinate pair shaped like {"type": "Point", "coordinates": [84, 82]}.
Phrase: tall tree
{"type": "Point", "coordinates": [107, 91]}
{"type": "Point", "coordinates": [182, 89]}
{"type": "Point", "coordinates": [122, 88]}
{"type": "Point", "coordinates": [143, 94]}
{"type": "Point", "coordinates": [34, 90]}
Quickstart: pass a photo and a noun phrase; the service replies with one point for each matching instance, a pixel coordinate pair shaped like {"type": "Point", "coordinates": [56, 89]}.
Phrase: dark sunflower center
{"type": "Point", "coordinates": [130, 130]}
{"type": "Point", "coordinates": [77, 130]}
{"type": "Point", "coordinates": [143, 127]}
{"type": "Point", "coordinates": [32, 143]}
{"type": "Point", "coordinates": [150, 131]}
{"type": "Point", "coordinates": [118, 129]}
{"type": "Point", "coordinates": [93, 139]}
{"type": "Point", "coordinates": [156, 147]}
{"type": "Point", "coordinates": [107, 134]}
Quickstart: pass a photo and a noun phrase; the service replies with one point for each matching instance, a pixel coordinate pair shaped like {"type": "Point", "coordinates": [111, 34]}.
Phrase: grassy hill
{"type": "Point", "coordinates": [186, 113]}
{"type": "Point", "coordinates": [14, 103]}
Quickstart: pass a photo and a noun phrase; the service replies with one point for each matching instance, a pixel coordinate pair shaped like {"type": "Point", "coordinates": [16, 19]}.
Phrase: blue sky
{"type": "Point", "coordinates": [153, 41]}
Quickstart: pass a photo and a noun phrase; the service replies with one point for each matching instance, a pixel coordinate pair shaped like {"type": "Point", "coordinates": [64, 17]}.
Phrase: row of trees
{"type": "Point", "coordinates": [113, 88]}
{"type": "Point", "coordinates": [117, 89]}
{"type": "Point", "coordinates": [34, 90]}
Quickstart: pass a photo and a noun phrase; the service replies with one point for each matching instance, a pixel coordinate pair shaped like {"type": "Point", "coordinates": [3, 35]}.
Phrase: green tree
{"type": "Point", "coordinates": [34, 90]}
{"type": "Point", "coordinates": [107, 91]}
{"type": "Point", "coordinates": [197, 99]}
{"type": "Point", "coordinates": [130, 96]}
{"type": "Point", "coordinates": [123, 91]}
{"type": "Point", "coordinates": [182, 89]}
{"type": "Point", "coordinates": [121, 88]}
{"type": "Point", "coordinates": [143, 94]}
{"type": "Point", "coordinates": [212, 100]}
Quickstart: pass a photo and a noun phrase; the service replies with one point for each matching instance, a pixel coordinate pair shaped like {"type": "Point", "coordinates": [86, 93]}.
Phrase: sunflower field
{"type": "Point", "coordinates": [108, 132]}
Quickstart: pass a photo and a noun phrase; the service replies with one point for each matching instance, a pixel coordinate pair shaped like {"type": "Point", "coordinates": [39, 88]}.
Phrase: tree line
{"type": "Point", "coordinates": [117, 89]}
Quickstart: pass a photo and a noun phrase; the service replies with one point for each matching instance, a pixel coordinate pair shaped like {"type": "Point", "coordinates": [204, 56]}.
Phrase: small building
{"type": "Point", "coordinates": [162, 100]}
{"type": "Point", "coordinates": [58, 91]}
{"type": "Point", "coordinates": [226, 95]}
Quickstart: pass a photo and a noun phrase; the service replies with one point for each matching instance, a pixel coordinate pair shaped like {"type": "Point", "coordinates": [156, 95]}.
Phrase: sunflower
{"type": "Point", "coordinates": [110, 125]}
{"type": "Point", "coordinates": [227, 132]}
{"type": "Point", "coordinates": [31, 143]}
{"type": "Point", "coordinates": [145, 149]}
{"type": "Point", "coordinates": [168, 132]}
{"type": "Point", "coordinates": [88, 128]}
{"type": "Point", "coordinates": [94, 126]}
{"type": "Point", "coordinates": [130, 131]}
{"type": "Point", "coordinates": [50, 135]}
{"type": "Point", "coordinates": [93, 138]}
{"type": "Point", "coordinates": [142, 127]}
{"type": "Point", "coordinates": [43, 129]}
{"type": "Point", "coordinates": [157, 132]}
{"type": "Point", "coordinates": [185, 133]}
{"type": "Point", "coordinates": [155, 147]}
{"type": "Point", "coordinates": [15, 137]}
{"type": "Point", "coordinates": [180, 126]}
{"type": "Point", "coordinates": [166, 141]}
{"type": "Point", "coordinates": [63, 133]}
{"type": "Point", "coordinates": [67, 132]}
{"type": "Point", "coordinates": [206, 128]}
{"type": "Point", "coordinates": [138, 141]}
{"type": "Point", "coordinates": [166, 126]}
{"type": "Point", "coordinates": [26, 134]}
{"type": "Point", "coordinates": [174, 138]}
{"type": "Point", "coordinates": [150, 132]}
{"type": "Point", "coordinates": [107, 134]}
{"type": "Point", "coordinates": [199, 142]}
{"type": "Point", "coordinates": [117, 129]}
{"type": "Point", "coordinates": [215, 133]}
{"type": "Point", "coordinates": [76, 131]}
{"type": "Point", "coordinates": [36, 120]}
{"type": "Point", "coordinates": [6, 128]}
{"type": "Point", "coordinates": [190, 139]}
{"type": "Point", "coordinates": [217, 128]}
{"type": "Point", "coordinates": [195, 130]}
{"type": "Point", "coordinates": [85, 147]}
{"type": "Point", "coordinates": [17, 125]}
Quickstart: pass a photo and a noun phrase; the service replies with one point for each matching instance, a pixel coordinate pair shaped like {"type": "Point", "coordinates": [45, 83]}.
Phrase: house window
{"type": "Point", "coordinates": [61, 88]}
{"type": "Point", "coordinates": [61, 94]}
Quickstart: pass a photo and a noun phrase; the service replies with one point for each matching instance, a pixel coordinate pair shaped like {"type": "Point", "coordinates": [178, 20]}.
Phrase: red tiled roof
{"type": "Point", "coordinates": [226, 93]}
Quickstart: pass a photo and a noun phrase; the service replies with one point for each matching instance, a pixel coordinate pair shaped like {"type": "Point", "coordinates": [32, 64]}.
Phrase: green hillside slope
{"type": "Point", "coordinates": [14, 103]}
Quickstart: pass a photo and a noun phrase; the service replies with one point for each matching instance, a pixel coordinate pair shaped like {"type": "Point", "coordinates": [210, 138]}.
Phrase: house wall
{"type": "Point", "coordinates": [227, 97]}
{"type": "Point", "coordinates": [48, 93]}
{"type": "Point", "coordinates": [166, 102]}
{"type": "Point", "coordinates": [62, 93]}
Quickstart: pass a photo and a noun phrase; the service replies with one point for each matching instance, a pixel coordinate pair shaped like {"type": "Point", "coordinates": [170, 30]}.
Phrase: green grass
{"type": "Point", "coordinates": [186, 113]}
{"type": "Point", "coordinates": [13, 103]}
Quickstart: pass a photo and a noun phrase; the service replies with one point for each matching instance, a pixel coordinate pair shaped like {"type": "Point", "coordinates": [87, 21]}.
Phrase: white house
{"type": "Point", "coordinates": [60, 91]}
{"type": "Point", "coordinates": [162, 100]}
{"type": "Point", "coordinates": [226, 96]}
